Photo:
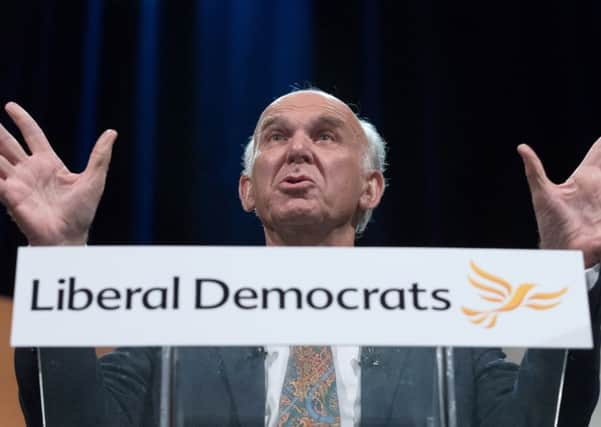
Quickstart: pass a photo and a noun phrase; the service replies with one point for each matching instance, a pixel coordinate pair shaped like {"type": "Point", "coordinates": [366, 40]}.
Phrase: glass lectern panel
{"type": "Point", "coordinates": [265, 386]}
{"type": "Point", "coordinates": [257, 386]}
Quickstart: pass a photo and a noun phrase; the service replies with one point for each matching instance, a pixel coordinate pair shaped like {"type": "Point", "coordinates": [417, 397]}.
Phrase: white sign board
{"type": "Point", "coordinates": [153, 295]}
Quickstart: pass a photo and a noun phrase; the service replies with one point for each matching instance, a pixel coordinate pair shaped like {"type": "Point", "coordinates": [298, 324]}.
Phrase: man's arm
{"type": "Point", "coordinates": [81, 390]}
{"type": "Point", "coordinates": [568, 216]}
{"type": "Point", "coordinates": [54, 206]}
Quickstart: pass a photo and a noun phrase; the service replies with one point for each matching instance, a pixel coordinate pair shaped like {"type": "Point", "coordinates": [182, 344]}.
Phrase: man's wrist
{"type": "Point", "coordinates": [71, 241]}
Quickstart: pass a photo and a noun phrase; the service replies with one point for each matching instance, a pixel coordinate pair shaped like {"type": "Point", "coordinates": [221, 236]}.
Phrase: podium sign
{"type": "Point", "coordinates": [160, 295]}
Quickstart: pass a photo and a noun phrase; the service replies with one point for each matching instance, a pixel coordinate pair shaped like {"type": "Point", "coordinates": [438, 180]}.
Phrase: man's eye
{"type": "Point", "coordinates": [277, 137]}
{"type": "Point", "coordinates": [326, 136]}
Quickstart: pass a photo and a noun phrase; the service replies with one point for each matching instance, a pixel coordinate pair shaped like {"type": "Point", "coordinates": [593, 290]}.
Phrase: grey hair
{"type": "Point", "coordinates": [374, 159]}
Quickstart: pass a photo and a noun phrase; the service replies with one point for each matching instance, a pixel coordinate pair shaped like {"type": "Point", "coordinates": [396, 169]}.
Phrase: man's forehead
{"type": "Point", "coordinates": [313, 103]}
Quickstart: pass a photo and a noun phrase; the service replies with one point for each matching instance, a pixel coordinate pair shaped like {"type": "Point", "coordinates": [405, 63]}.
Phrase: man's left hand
{"type": "Point", "coordinates": [568, 215]}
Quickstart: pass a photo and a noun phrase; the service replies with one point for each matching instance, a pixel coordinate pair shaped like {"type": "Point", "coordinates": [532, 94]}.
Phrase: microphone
{"type": "Point", "coordinates": [369, 358]}
{"type": "Point", "coordinates": [256, 352]}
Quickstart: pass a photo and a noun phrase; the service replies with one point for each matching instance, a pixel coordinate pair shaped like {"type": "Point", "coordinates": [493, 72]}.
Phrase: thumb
{"type": "Point", "coordinates": [100, 158]}
{"type": "Point", "coordinates": [535, 172]}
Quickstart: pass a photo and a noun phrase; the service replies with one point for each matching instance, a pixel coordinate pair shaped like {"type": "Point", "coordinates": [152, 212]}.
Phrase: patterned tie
{"type": "Point", "coordinates": [309, 396]}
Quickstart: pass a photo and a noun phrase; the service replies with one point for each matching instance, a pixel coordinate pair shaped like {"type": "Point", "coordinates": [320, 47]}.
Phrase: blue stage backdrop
{"type": "Point", "coordinates": [454, 88]}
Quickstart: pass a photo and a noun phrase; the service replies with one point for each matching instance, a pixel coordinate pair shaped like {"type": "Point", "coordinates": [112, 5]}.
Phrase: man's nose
{"type": "Point", "coordinates": [300, 149]}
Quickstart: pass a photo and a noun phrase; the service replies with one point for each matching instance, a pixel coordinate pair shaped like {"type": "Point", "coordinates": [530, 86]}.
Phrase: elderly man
{"type": "Point", "coordinates": [313, 174]}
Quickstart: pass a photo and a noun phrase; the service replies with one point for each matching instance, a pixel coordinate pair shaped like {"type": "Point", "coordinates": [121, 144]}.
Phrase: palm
{"type": "Point", "coordinates": [568, 214]}
{"type": "Point", "coordinates": [50, 204]}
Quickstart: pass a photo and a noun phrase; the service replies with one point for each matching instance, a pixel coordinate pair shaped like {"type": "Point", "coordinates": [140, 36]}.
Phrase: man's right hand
{"type": "Point", "coordinates": [50, 204]}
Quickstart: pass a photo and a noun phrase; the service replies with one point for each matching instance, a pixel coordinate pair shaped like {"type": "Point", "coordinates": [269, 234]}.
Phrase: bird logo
{"type": "Point", "coordinates": [506, 298]}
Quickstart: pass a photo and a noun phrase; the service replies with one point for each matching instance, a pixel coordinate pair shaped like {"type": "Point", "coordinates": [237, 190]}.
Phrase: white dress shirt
{"type": "Point", "coordinates": [348, 375]}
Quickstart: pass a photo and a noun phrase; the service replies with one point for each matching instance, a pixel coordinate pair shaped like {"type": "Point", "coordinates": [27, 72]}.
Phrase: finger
{"type": "Point", "coordinates": [593, 156]}
{"type": "Point", "coordinates": [100, 158]}
{"type": "Point", "coordinates": [10, 147]}
{"type": "Point", "coordinates": [5, 168]}
{"type": "Point", "coordinates": [535, 172]}
{"type": "Point", "coordinates": [32, 133]}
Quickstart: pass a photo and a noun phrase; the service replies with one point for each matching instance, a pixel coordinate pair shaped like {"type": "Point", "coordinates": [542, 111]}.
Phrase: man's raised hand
{"type": "Point", "coordinates": [568, 214]}
{"type": "Point", "coordinates": [50, 204]}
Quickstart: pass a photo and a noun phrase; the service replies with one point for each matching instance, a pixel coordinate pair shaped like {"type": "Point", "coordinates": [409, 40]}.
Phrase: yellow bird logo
{"type": "Point", "coordinates": [498, 290]}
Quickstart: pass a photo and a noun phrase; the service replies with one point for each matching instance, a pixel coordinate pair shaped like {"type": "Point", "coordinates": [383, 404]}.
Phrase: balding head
{"type": "Point", "coordinates": [313, 131]}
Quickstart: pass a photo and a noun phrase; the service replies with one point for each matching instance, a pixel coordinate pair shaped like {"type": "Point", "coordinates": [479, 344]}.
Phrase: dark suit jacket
{"type": "Point", "coordinates": [226, 386]}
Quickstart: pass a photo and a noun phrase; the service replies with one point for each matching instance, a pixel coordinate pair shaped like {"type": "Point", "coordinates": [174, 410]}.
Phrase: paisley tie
{"type": "Point", "coordinates": [309, 396]}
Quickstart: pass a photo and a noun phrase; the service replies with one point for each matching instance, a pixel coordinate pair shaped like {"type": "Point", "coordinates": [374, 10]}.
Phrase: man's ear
{"type": "Point", "coordinates": [246, 193]}
{"type": "Point", "coordinates": [372, 191]}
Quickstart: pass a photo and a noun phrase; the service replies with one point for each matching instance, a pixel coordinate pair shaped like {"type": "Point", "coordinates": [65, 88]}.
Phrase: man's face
{"type": "Point", "coordinates": [308, 168]}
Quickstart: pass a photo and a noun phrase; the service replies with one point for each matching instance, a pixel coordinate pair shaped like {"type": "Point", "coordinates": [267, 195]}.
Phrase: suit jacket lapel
{"type": "Point", "coordinates": [244, 371]}
{"type": "Point", "coordinates": [381, 368]}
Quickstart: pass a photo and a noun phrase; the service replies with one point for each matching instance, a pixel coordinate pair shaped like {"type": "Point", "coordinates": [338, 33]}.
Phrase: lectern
{"type": "Point", "coordinates": [202, 334]}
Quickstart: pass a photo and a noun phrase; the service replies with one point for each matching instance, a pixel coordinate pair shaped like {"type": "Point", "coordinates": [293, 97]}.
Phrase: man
{"type": "Point", "coordinates": [313, 173]}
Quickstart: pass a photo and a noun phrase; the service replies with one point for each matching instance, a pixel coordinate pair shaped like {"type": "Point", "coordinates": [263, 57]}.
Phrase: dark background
{"type": "Point", "coordinates": [454, 87]}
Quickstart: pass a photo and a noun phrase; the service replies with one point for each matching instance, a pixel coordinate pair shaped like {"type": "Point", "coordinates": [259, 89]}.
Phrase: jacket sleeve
{"type": "Point", "coordinates": [522, 395]}
{"type": "Point", "coordinates": [81, 390]}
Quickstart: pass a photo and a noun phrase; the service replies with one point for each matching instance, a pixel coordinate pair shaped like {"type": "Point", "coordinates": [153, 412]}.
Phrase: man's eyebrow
{"type": "Point", "coordinates": [273, 120]}
{"type": "Point", "coordinates": [328, 120]}
{"type": "Point", "coordinates": [323, 120]}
